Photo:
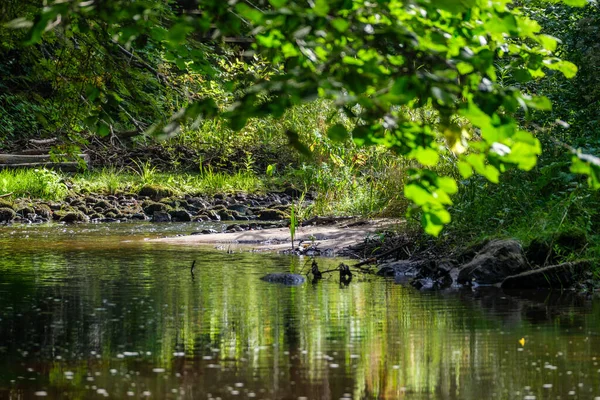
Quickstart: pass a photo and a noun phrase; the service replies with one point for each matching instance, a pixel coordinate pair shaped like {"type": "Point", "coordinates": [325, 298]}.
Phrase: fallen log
{"type": "Point", "coordinates": [63, 166]}
{"type": "Point", "coordinates": [36, 158]}
{"type": "Point", "coordinates": [43, 142]}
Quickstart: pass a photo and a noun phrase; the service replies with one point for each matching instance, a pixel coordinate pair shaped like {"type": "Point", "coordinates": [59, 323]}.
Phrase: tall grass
{"type": "Point", "coordinates": [34, 183]}
{"type": "Point", "coordinates": [112, 181]}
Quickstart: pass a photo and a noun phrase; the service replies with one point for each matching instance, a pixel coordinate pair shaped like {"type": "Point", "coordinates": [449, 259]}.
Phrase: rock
{"type": "Point", "coordinates": [225, 216]}
{"type": "Point", "coordinates": [103, 204]}
{"type": "Point", "coordinates": [55, 206]}
{"type": "Point", "coordinates": [208, 231]}
{"type": "Point", "coordinates": [497, 260]}
{"type": "Point", "coordinates": [43, 210]}
{"type": "Point", "coordinates": [5, 204]}
{"type": "Point", "coordinates": [239, 208]}
{"type": "Point", "coordinates": [539, 252]}
{"type": "Point", "coordinates": [293, 192]}
{"type": "Point", "coordinates": [561, 276]}
{"type": "Point", "coordinates": [428, 283]}
{"type": "Point", "coordinates": [434, 275]}
{"type": "Point", "coordinates": [7, 214]}
{"type": "Point", "coordinates": [150, 207]}
{"type": "Point", "coordinates": [401, 268]}
{"type": "Point", "coordinates": [284, 278]}
{"type": "Point", "coordinates": [71, 217]}
{"type": "Point", "coordinates": [572, 240]}
{"type": "Point", "coordinates": [161, 216]}
{"type": "Point", "coordinates": [282, 207]}
{"type": "Point", "coordinates": [180, 216]}
{"type": "Point", "coordinates": [234, 228]}
{"type": "Point", "coordinates": [76, 202]}
{"type": "Point", "coordinates": [546, 250]}
{"type": "Point", "coordinates": [138, 217]}
{"type": "Point", "coordinates": [213, 215]}
{"type": "Point", "coordinates": [155, 192]}
{"type": "Point", "coordinates": [23, 210]}
{"type": "Point", "coordinates": [271, 215]}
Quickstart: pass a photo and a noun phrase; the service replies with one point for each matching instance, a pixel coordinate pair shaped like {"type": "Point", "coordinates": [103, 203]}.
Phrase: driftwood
{"type": "Point", "coordinates": [43, 142]}
{"type": "Point", "coordinates": [32, 152]}
{"type": "Point", "coordinates": [63, 166]}
{"type": "Point", "coordinates": [9, 159]}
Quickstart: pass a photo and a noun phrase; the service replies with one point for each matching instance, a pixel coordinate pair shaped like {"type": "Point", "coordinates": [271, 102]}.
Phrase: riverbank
{"type": "Point", "coordinates": [335, 238]}
{"type": "Point", "coordinates": [152, 205]}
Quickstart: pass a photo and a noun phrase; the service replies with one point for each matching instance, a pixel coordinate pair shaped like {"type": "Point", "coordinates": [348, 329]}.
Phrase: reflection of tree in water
{"type": "Point", "coordinates": [227, 327]}
{"type": "Point", "coordinates": [513, 307]}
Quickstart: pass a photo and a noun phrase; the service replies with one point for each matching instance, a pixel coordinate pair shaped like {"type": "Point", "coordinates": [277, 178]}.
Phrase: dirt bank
{"type": "Point", "coordinates": [331, 239]}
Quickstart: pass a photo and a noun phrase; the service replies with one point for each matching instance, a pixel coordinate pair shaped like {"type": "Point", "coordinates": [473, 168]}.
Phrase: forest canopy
{"type": "Point", "coordinates": [425, 79]}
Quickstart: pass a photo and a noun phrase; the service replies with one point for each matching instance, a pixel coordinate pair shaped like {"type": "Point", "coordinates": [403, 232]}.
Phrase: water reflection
{"type": "Point", "coordinates": [90, 312]}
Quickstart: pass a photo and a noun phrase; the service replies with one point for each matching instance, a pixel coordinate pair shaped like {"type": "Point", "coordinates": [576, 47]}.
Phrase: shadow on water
{"type": "Point", "coordinates": [93, 311]}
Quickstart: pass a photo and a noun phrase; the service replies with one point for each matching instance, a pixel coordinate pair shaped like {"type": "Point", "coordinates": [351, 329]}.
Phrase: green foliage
{"type": "Point", "coordinates": [293, 223]}
{"type": "Point", "coordinates": [466, 68]}
{"type": "Point", "coordinates": [33, 183]}
{"type": "Point", "coordinates": [112, 181]}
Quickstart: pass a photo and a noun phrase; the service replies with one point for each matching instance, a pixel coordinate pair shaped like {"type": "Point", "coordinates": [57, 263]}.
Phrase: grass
{"type": "Point", "coordinates": [34, 183]}
{"type": "Point", "coordinates": [369, 187]}
{"type": "Point", "coordinates": [111, 181]}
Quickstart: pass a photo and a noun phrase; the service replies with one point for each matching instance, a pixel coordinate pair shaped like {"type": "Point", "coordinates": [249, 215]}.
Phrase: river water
{"type": "Point", "coordinates": [95, 311]}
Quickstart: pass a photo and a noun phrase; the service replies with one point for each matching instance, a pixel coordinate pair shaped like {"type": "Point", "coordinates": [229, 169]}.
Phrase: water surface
{"type": "Point", "coordinates": [91, 311]}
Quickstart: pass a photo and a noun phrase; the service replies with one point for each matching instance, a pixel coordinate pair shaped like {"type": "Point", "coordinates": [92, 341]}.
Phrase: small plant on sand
{"type": "Point", "coordinates": [293, 223]}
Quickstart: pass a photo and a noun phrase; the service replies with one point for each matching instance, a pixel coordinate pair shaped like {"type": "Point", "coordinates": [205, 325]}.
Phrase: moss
{"type": "Point", "coordinates": [71, 216]}
{"type": "Point", "coordinates": [271, 215]}
{"type": "Point", "coordinates": [7, 214]}
{"type": "Point", "coordinates": [43, 210]}
{"type": "Point", "coordinates": [5, 204]}
{"type": "Point", "coordinates": [150, 207]}
{"type": "Point", "coordinates": [156, 191]}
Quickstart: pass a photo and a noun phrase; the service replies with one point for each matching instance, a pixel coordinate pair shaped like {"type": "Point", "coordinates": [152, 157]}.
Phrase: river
{"type": "Point", "coordinates": [95, 311]}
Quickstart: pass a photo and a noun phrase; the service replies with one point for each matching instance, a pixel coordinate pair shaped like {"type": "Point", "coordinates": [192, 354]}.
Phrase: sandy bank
{"type": "Point", "coordinates": [329, 239]}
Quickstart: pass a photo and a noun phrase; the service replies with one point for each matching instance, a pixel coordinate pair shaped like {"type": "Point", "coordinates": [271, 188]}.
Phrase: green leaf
{"type": "Point", "coordinates": [447, 184]}
{"type": "Point", "coordinates": [321, 7]}
{"type": "Point", "coordinates": [178, 33]}
{"type": "Point", "coordinates": [587, 164]}
{"type": "Point", "coordinates": [418, 194]}
{"type": "Point", "coordinates": [103, 129]}
{"type": "Point", "coordinates": [433, 221]}
{"type": "Point", "coordinates": [425, 155]}
{"type": "Point", "coordinates": [568, 69]}
{"type": "Point", "coordinates": [548, 42]}
{"type": "Point", "coordinates": [278, 3]}
{"type": "Point", "coordinates": [521, 75]}
{"type": "Point", "coordinates": [340, 24]}
{"type": "Point", "coordinates": [537, 102]}
{"type": "Point", "coordinates": [465, 169]}
{"type": "Point", "coordinates": [477, 161]}
{"type": "Point", "coordinates": [337, 133]}
{"type": "Point", "coordinates": [250, 13]}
